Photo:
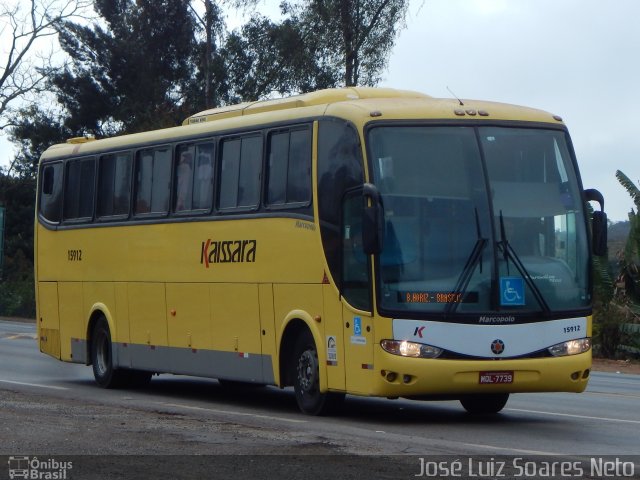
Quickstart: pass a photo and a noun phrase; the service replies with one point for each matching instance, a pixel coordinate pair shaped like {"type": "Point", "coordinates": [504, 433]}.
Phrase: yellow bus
{"type": "Point", "coordinates": [360, 241]}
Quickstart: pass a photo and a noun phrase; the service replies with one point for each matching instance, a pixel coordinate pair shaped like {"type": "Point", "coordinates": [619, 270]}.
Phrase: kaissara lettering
{"type": "Point", "coordinates": [228, 251]}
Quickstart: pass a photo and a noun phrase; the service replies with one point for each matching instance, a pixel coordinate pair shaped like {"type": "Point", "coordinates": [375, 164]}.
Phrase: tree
{"type": "Point", "coordinates": [319, 44]}
{"type": "Point", "coordinates": [355, 36]}
{"type": "Point", "coordinates": [264, 57]}
{"type": "Point", "coordinates": [630, 257]}
{"type": "Point", "coordinates": [617, 303]}
{"type": "Point", "coordinates": [34, 131]}
{"type": "Point", "coordinates": [209, 71]}
{"type": "Point", "coordinates": [130, 72]}
{"type": "Point", "coordinates": [16, 284]}
{"type": "Point", "coordinates": [23, 27]}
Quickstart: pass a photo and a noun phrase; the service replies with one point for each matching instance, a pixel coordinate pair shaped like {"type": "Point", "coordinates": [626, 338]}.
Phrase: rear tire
{"type": "Point", "coordinates": [106, 375]}
{"type": "Point", "coordinates": [306, 379]}
{"type": "Point", "coordinates": [484, 403]}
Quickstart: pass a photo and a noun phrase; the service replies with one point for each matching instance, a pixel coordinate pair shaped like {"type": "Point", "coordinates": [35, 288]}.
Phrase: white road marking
{"type": "Point", "coordinates": [13, 382]}
{"type": "Point", "coordinates": [586, 417]}
{"type": "Point", "coordinates": [18, 336]}
{"type": "Point", "coordinates": [231, 412]}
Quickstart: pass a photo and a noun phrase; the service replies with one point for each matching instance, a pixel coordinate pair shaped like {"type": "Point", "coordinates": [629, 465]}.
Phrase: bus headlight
{"type": "Point", "coordinates": [405, 348]}
{"type": "Point", "coordinates": [572, 347]}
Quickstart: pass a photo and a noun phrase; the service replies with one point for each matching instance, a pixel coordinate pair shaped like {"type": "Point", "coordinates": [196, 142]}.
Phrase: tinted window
{"type": "Point", "coordinates": [355, 264]}
{"type": "Point", "coordinates": [240, 172]}
{"type": "Point", "coordinates": [114, 184]}
{"type": "Point", "coordinates": [79, 185]}
{"type": "Point", "coordinates": [289, 167]}
{"type": "Point", "coordinates": [153, 177]}
{"type": "Point", "coordinates": [339, 168]}
{"type": "Point", "coordinates": [278, 170]}
{"type": "Point", "coordinates": [51, 194]}
{"type": "Point", "coordinates": [194, 177]}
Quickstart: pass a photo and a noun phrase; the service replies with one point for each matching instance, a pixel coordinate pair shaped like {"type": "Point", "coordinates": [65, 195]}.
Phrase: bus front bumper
{"type": "Point", "coordinates": [396, 376]}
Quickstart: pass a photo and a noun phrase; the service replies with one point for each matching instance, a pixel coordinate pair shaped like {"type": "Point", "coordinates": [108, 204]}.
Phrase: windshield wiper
{"type": "Point", "coordinates": [460, 290]}
{"type": "Point", "coordinates": [509, 253]}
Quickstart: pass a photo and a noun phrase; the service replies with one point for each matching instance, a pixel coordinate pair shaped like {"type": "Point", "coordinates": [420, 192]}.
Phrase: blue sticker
{"type": "Point", "coordinates": [511, 291]}
{"type": "Point", "coordinates": [357, 326]}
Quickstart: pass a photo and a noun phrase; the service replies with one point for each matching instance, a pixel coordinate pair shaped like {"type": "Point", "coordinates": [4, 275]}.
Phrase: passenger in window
{"type": "Point", "coordinates": [184, 174]}
{"type": "Point", "coordinates": [204, 189]}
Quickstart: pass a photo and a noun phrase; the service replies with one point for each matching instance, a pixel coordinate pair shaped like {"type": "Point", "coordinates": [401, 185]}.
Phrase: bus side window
{"type": "Point", "coordinates": [50, 197]}
{"type": "Point", "coordinates": [153, 178]}
{"type": "Point", "coordinates": [79, 189]}
{"type": "Point", "coordinates": [240, 172]}
{"type": "Point", "coordinates": [203, 177]}
{"type": "Point", "coordinates": [193, 178]}
{"type": "Point", "coordinates": [184, 178]}
{"type": "Point", "coordinates": [114, 185]}
{"type": "Point", "coordinates": [289, 168]}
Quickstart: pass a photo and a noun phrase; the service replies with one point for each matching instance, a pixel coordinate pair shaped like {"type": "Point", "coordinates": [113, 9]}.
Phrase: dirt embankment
{"type": "Point", "coordinates": [616, 366]}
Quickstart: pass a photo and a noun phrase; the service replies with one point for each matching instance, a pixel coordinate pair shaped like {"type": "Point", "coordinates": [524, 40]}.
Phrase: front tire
{"type": "Point", "coordinates": [306, 379]}
{"type": "Point", "coordinates": [483, 404]}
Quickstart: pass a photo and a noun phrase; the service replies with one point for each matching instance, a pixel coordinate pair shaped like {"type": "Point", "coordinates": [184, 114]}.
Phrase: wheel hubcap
{"type": "Point", "coordinates": [102, 354]}
{"type": "Point", "coordinates": [307, 371]}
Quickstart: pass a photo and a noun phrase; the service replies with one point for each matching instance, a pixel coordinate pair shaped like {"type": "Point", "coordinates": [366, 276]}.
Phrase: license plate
{"type": "Point", "coordinates": [494, 378]}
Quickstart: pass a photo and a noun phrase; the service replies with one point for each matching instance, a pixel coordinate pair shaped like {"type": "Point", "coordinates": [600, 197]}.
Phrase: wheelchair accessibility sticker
{"type": "Point", "coordinates": [511, 291]}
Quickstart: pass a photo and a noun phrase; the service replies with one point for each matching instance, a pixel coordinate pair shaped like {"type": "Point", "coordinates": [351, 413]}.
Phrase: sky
{"type": "Point", "coordinates": [579, 59]}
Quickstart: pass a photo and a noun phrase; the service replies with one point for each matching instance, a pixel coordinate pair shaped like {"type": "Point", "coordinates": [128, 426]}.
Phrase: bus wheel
{"type": "Point", "coordinates": [484, 404]}
{"type": "Point", "coordinates": [306, 379]}
{"type": "Point", "coordinates": [101, 357]}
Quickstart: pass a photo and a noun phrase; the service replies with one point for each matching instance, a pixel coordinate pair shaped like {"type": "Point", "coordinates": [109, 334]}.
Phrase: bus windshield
{"type": "Point", "coordinates": [479, 220]}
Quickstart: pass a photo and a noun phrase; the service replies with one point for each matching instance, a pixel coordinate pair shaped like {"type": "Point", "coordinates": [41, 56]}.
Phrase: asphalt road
{"type": "Point", "coordinates": [53, 408]}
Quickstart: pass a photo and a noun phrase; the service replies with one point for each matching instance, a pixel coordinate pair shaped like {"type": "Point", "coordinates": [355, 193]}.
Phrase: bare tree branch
{"type": "Point", "coordinates": [24, 26]}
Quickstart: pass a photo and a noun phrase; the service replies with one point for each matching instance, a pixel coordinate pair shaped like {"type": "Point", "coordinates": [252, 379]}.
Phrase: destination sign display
{"type": "Point", "coordinates": [437, 297]}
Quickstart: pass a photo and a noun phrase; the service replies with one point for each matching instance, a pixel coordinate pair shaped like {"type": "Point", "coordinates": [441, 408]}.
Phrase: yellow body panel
{"type": "Point", "coordinates": [72, 311]}
{"type": "Point", "coordinates": [267, 322]}
{"type": "Point", "coordinates": [236, 318]}
{"type": "Point", "coordinates": [48, 318]}
{"type": "Point", "coordinates": [189, 321]}
{"type": "Point", "coordinates": [147, 306]}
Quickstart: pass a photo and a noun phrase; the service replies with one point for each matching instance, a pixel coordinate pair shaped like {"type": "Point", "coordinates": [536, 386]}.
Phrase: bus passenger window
{"type": "Point", "coordinates": [278, 160]}
{"type": "Point", "coordinates": [51, 198]}
{"type": "Point", "coordinates": [79, 186]}
{"type": "Point", "coordinates": [289, 175]}
{"type": "Point", "coordinates": [184, 178]}
{"type": "Point", "coordinates": [153, 177]}
{"type": "Point", "coordinates": [240, 172]}
{"type": "Point", "coordinates": [250, 172]}
{"type": "Point", "coordinates": [203, 180]}
{"type": "Point", "coordinates": [193, 186]}
{"type": "Point", "coordinates": [114, 184]}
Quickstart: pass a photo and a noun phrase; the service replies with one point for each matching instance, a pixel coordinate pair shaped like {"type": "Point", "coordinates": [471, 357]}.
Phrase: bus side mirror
{"type": "Point", "coordinates": [372, 220]}
{"type": "Point", "coordinates": [598, 223]}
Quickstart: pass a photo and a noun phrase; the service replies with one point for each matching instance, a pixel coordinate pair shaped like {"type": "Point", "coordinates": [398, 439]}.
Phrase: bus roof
{"type": "Point", "coordinates": [320, 97]}
{"type": "Point", "coordinates": [357, 104]}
